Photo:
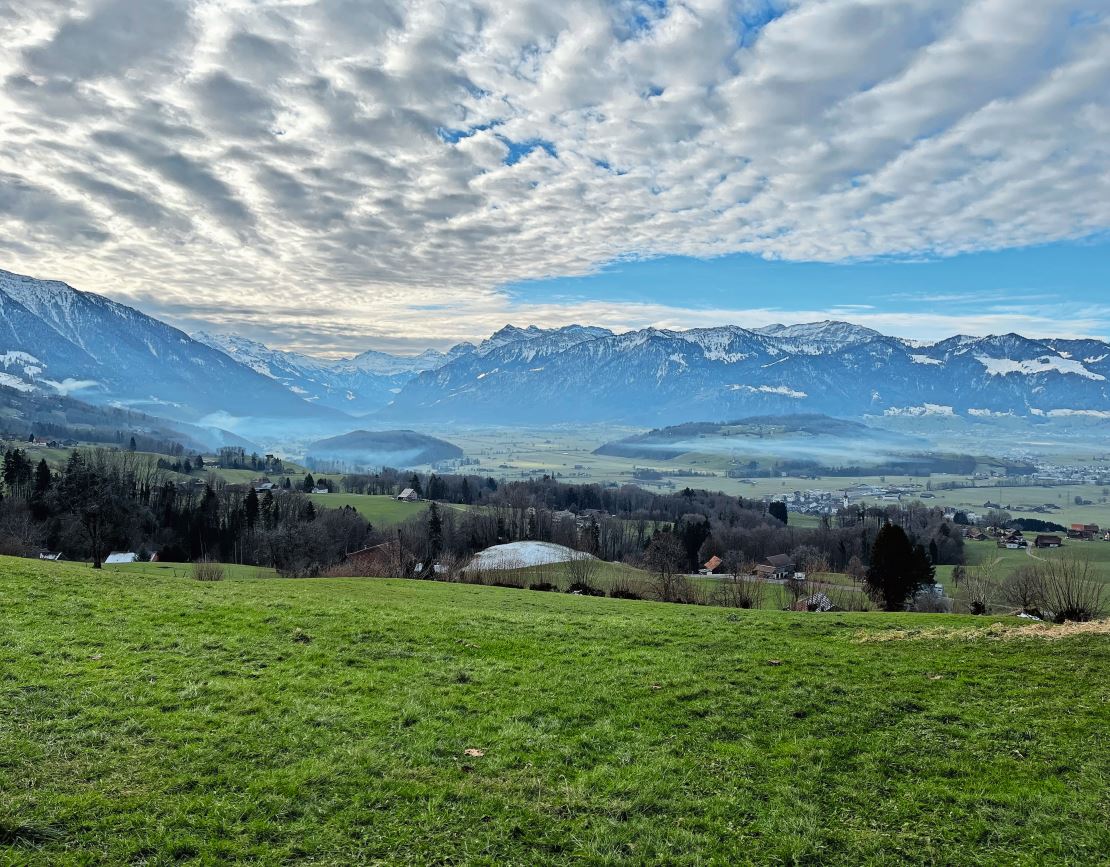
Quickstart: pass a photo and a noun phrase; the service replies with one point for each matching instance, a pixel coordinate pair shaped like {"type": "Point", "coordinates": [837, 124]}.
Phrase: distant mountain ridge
{"type": "Point", "coordinates": [654, 376]}
{"type": "Point", "coordinates": [56, 339]}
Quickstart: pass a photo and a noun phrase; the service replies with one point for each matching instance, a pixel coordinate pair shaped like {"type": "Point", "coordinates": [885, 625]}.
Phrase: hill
{"type": "Point", "coordinates": [813, 436]}
{"type": "Point", "coordinates": [160, 719]}
{"type": "Point", "coordinates": [58, 417]}
{"type": "Point", "coordinates": [392, 448]}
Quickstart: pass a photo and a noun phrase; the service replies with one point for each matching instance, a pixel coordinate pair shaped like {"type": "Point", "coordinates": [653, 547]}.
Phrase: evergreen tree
{"type": "Point", "coordinates": [435, 530]}
{"type": "Point", "coordinates": [308, 484]}
{"type": "Point", "coordinates": [250, 508]}
{"type": "Point", "coordinates": [414, 483]}
{"type": "Point", "coordinates": [778, 510]}
{"type": "Point", "coordinates": [898, 569]}
{"type": "Point", "coordinates": [132, 446]}
{"type": "Point", "coordinates": [43, 479]}
{"type": "Point", "coordinates": [187, 468]}
{"type": "Point", "coordinates": [266, 509]}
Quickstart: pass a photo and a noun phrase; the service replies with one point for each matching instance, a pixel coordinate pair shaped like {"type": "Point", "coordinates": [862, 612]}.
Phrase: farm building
{"type": "Point", "coordinates": [408, 495]}
{"type": "Point", "coordinates": [1048, 541]}
{"type": "Point", "coordinates": [713, 566]}
{"type": "Point", "coordinates": [776, 566]}
{"type": "Point", "coordinates": [122, 557]}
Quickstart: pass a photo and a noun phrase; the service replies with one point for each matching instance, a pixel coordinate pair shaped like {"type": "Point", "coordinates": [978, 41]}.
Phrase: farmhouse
{"type": "Point", "coordinates": [321, 489]}
{"type": "Point", "coordinates": [1013, 540]}
{"type": "Point", "coordinates": [408, 495]}
{"type": "Point", "coordinates": [975, 534]}
{"type": "Point", "coordinates": [713, 566]}
{"type": "Point", "coordinates": [1083, 532]}
{"type": "Point", "coordinates": [776, 566]}
{"type": "Point", "coordinates": [1048, 541]}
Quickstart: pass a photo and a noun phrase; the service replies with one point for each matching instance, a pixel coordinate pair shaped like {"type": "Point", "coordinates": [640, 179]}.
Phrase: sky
{"type": "Point", "coordinates": [340, 175]}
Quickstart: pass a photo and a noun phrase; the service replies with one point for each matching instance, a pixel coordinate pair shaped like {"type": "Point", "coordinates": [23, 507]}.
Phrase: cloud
{"type": "Point", "coordinates": [353, 165]}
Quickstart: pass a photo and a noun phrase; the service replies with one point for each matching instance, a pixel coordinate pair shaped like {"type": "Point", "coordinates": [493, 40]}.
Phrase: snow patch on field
{"type": "Point", "coordinates": [517, 555]}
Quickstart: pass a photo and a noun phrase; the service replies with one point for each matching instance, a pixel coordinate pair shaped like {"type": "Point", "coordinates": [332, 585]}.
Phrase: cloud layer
{"type": "Point", "coordinates": [340, 174]}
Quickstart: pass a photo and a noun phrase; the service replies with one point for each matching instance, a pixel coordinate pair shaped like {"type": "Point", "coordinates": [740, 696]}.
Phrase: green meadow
{"type": "Point", "coordinates": [148, 718]}
{"type": "Point", "coordinates": [379, 510]}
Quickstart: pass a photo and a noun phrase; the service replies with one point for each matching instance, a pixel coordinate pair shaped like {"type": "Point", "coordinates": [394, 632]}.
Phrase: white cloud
{"type": "Point", "coordinates": [334, 172]}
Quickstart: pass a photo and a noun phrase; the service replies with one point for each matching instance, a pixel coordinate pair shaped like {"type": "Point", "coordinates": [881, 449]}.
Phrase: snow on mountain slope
{"type": "Point", "coordinates": [654, 376]}
{"type": "Point", "coordinates": [105, 352]}
{"type": "Point", "coordinates": [54, 337]}
{"type": "Point", "coordinates": [1044, 364]}
{"type": "Point", "coordinates": [357, 385]}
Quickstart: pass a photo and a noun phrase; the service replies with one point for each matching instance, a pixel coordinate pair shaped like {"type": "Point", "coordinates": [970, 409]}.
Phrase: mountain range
{"type": "Point", "coordinates": [58, 340]}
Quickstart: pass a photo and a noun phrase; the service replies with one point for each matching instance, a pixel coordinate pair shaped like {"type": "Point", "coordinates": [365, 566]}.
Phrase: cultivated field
{"type": "Point", "coordinates": [156, 719]}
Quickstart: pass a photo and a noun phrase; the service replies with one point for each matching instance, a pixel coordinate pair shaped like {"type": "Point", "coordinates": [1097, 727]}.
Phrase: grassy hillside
{"type": "Point", "coordinates": [158, 719]}
{"type": "Point", "coordinates": [378, 510]}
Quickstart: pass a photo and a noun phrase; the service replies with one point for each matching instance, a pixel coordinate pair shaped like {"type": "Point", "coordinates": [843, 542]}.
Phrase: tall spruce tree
{"type": "Point", "coordinates": [898, 569]}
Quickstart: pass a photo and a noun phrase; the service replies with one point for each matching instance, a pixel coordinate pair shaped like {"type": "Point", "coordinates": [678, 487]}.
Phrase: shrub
{"type": "Point", "coordinates": [625, 588]}
{"type": "Point", "coordinates": [1024, 589]}
{"type": "Point", "coordinates": [1069, 592]}
{"type": "Point", "coordinates": [979, 589]}
{"type": "Point", "coordinates": [740, 591]}
{"type": "Point", "coordinates": [543, 586]}
{"type": "Point", "coordinates": [584, 589]}
{"type": "Point", "coordinates": [207, 570]}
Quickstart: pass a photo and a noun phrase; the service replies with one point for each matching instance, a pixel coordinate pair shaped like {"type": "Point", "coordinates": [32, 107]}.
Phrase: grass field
{"type": "Point", "coordinates": [1006, 561]}
{"type": "Point", "coordinates": [381, 511]}
{"type": "Point", "coordinates": [185, 570]}
{"type": "Point", "coordinates": [153, 719]}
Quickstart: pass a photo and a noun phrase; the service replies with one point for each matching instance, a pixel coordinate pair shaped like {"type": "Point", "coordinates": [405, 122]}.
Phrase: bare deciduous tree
{"type": "Point", "coordinates": [979, 588]}
{"type": "Point", "coordinates": [1024, 589]}
{"type": "Point", "coordinates": [1070, 593]}
{"type": "Point", "coordinates": [665, 556]}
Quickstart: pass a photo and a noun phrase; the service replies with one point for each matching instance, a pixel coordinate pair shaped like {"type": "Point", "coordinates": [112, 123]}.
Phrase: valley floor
{"type": "Point", "coordinates": [151, 718]}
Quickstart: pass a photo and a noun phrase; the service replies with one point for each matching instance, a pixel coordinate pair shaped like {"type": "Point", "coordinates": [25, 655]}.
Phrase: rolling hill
{"type": "Point", "coordinates": [363, 449]}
